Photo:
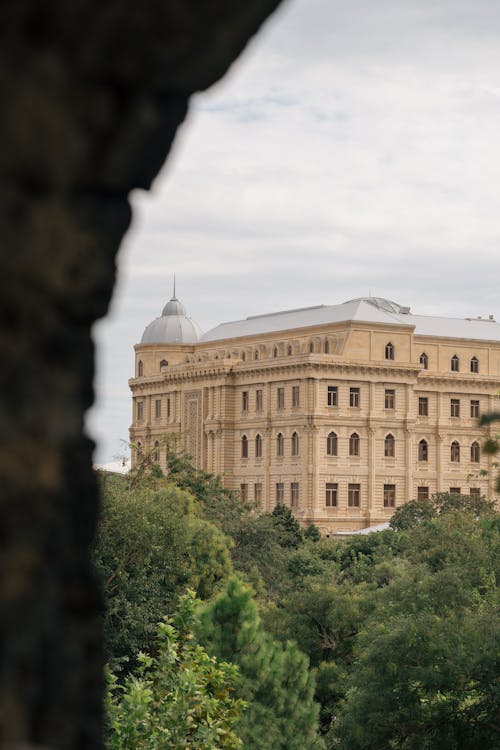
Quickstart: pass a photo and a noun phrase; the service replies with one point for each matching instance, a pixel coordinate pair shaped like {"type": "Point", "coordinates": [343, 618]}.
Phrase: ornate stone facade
{"type": "Point", "coordinates": [346, 414]}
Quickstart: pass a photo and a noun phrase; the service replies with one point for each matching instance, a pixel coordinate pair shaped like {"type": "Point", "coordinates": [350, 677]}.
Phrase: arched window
{"type": "Point", "coordinates": [423, 450]}
{"type": "Point", "coordinates": [244, 447]}
{"type": "Point", "coordinates": [243, 356]}
{"type": "Point", "coordinates": [455, 451]}
{"type": "Point", "coordinates": [354, 444]}
{"type": "Point", "coordinates": [289, 350]}
{"type": "Point", "coordinates": [140, 369]}
{"type": "Point", "coordinates": [389, 445]}
{"type": "Point", "coordinates": [474, 364]}
{"type": "Point", "coordinates": [163, 364]}
{"type": "Point", "coordinates": [258, 446]}
{"type": "Point", "coordinates": [475, 452]}
{"type": "Point", "coordinates": [295, 444]}
{"type": "Point", "coordinates": [326, 347]}
{"type": "Point", "coordinates": [389, 351]}
{"type": "Point", "coordinates": [156, 452]}
{"type": "Point", "coordinates": [455, 363]}
{"type": "Point", "coordinates": [311, 347]}
{"type": "Point", "coordinates": [256, 354]}
{"type": "Point", "coordinates": [424, 361]}
{"type": "Point", "coordinates": [280, 444]}
{"type": "Point", "coordinates": [331, 444]}
{"type": "Point", "coordinates": [139, 451]}
{"type": "Point", "coordinates": [275, 351]}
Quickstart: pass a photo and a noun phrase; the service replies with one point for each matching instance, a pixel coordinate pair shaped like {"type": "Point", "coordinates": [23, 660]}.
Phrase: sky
{"type": "Point", "coordinates": [351, 150]}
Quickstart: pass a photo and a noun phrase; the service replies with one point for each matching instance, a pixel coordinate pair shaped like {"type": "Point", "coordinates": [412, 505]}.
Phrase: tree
{"type": "Point", "coordinates": [275, 679]}
{"type": "Point", "coordinates": [179, 698]}
{"type": "Point", "coordinates": [415, 512]}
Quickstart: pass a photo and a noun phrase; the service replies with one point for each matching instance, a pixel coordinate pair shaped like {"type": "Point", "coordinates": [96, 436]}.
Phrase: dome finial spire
{"type": "Point", "coordinates": [174, 297]}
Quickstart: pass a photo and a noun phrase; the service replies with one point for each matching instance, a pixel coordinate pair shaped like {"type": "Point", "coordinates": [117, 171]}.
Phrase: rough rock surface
{"type": "Point", "coordinates": [91, 95]}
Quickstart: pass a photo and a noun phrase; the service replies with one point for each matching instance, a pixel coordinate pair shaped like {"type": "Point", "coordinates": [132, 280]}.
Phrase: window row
{"type": "Point", "coordinates": [354, 495]}
{"type": "Point", "coordinates": [280, 398]}
{"type": "Point", "coordinates": [475, 451]}
{"type": "Point", "coordinates": [140, 367]}
{"type": "Point", "coordinates": [423, 492]}
{"type": "Point", "coordinates": [158, 409]}
{"type": "Point", "coordinates": [280, 445]}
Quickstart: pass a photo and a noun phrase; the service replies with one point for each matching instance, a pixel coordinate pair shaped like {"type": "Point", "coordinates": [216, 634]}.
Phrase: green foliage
{"type": "Point", "coordinates": [275, 680]}
{"type": "Point", "coordinates": [287, 524]}
{"type": "Point", "coordinates": [151, 545]}
{"type": "Point", "coordinates": [178, 698]}
{"type": "Point", "coordinates": [313, 533]}
{"type": "Point", "coordinates": [415, 512]}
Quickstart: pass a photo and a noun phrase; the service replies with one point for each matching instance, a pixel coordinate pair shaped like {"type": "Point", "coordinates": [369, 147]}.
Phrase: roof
{"type": "Point", "coordinates": [172, 327]}
{"type": "Point", "coordinates": [366, 310]}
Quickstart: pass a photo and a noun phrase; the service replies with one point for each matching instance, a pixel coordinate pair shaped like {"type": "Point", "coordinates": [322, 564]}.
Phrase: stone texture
{"type": "Point", "coordinates": [91, 96]}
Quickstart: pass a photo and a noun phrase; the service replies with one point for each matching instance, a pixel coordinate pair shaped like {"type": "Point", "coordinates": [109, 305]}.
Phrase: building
{"type": "Point", "coordinates": [343, 412]}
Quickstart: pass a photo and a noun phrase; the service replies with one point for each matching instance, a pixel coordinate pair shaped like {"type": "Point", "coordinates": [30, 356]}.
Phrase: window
{"type": "Point", "coordinates": [353, 495]}
{"type": "Point", "coordinates": [389, 351]}
{"type": "Point", "coordinates": [354, 444]}
{"type": "Point", "coordinates": [244, 447]}
{"type": "Point", "coordinates": [455, 451]}
{"type": "Point", "coordinates": [168, 408]}
{"type": "Point", "coordinates": [311, 347]}
{"type": "Point", "coordinates": [244, 401]}
{"type": "Point", "coordinates": [244, 492]}
{"type": "Point", "coordinates": [475, 492]}
{"type": "Point", "coordinates": [331, 444]}
{"type": "Point", "coordinates": [389, 445]}
{"type": "Point", "coordinates": [295, 444]}
{"type": "Point", "coordinates": [454, 490]}
{"type": "Point", "coordinates": [390, 398]}
{"type": "Point", "coordinates": [295, 395]}
{"type": "Point", "coordinates": [389, 495]}
{"type": "Point", "coordinates": [258, 446]}
{"type": "Point", "coordinates": [243, 356]}
{"type": "Point", "coordinates": [331, 494]}
{"type": "Point", "coordinates": [280, 445]}
{"type": "Point", "coordinates": [140, 369]}
{"type": "Point", "coordinates": [157, 408]}
{"type": "Point", "coordinates": [455, 364]}
{"type": "Point", "coordinates": [332, 395]}
{"type": "Point", "coordinates": [474, 408]}
{"type": "Point", "coordinates": [422, 493]}
{"type": "Point", "coordinates": [275, 351]}
{"type": "Point", "coordinates": [423, 406]}
{"type": "Point", "coordinates": [294, 494]}
{"type": "Point", "coordinates": [163, 364]}
{"type": "Point", "coordinates": [475, 452]}
{"type": "Point", "coordinates": [424, 361]}
{"type": "Point", "coordinates": [258, 399]}
{"type": "Point", "coordinates": [326, 347]}
{"type": "Point", "coordinates": [140, 454]}
{"type": "Point", "coordinates": [354, 397]}
{"type": "Point", "coordinates": [280, 493]}
{"type": "Point", "coordinates": [423, 451]}
{"type": "Point", "coordinates": [256, 355]}
{"type": "Point", "coordinates": [140, 411]}
{"type": "Point", "coordinates": [257, 492]}
{"type": "Point", "coordinates": [281, 398]}
{"type": "Point", "coordinates": [474, 364]}
{"type": "Point", "coordinates": [455, 407]}
{"type": "Point", "coordinates": [156, 452]}
{"type": "Point", "coordinates": [289, 350]}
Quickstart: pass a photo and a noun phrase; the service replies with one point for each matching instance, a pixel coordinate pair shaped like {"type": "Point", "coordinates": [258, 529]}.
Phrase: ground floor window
{"type": "Point", "coordinates": [422, 493]}
{"type": "Point", "coordinates": [354, 495]}
{"type": "Point", "coordinates": [389, 495]}
{"type": "Point", "coordinates": [257, 491]}
{"type": "Point", "coordinates": [331, 494]}
{"type": "Point", "coordinates": [294, 494]}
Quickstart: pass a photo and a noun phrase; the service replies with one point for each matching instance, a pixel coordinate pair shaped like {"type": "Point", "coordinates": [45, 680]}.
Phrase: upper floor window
{"type": "Point", "coordinates": [354, 444]}
{"type": "Point", "coordinates": [455, 363]}
{"type": "Point", "coordinates": [275, 351]}
{"type": "Point", "coordinates": [423, 450]}
{"type": "Point", "coordinates": [311, 347]}
{"type": "Point", "coordinates": [281, 398]}
{"type": "Point", "coordinates": [475, 452]}
{"type": "Point", "coordinates": [243, 356]}
{"type": "Point", "coordinates": [163, 364]}
{"type": "Point", "coordinates": [326, 347]}
{"type": "Point", "coordinates": [295, 444]}
{"type": "Point", "coordinates": [289, 350]}
{"type": "Point", "coordinates": [140, 411]}
{"type": "Point", "coordinates": [455, 407]}
{"type": "Point", "coordinates": [354, 397]}
{"type": "Point", "coordinates": [258, 446]}
{"type": "Point", "coordinates": [423, 406]}
{"type": "Point", "coordinates": [258, 399]}
{"type": "Point", "coordinates": [455, 451]}
{"type": "Point", "coordinates": [244, 447]}
{"type": "Point", "coordinates": [332, 395]}
{"type": "Point", "coordinates": [331, 494]}
{"type": "Point", "coordinates": [474, 364]}
{"type": "Point", "coordinates": [295, 395]}
{"type": "Point", "coordinates": [424, 361]}
{"type": "Point", "coordinates": [256, 354]}
{"type": "Point", "coordinates": [280, 444]}
{"type": "Point", "coordinates": [157, 408]}
{"type": "Point", "coordinates": [140, 369]}
{"type": "Point", "coordinates": [139, 451]}
{"type": "Point", "coordinates": [168, 408]}
{"type": "Point", "coordinates": [331, 444]}
{"type": "Point", "coordinates": [244, 400]}
{"type": "Point", "coordinates": [389, 446]}
{"type": "Point", "coordinates": [390, 398]}
{"type": "Point", "coordinates": [389, 351]}
{"type": "Point", "coordinates": [474, 408]}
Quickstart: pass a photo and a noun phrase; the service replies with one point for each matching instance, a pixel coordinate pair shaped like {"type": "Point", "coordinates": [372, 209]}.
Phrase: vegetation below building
{"type": "Point", "coordinates": [388, 640]}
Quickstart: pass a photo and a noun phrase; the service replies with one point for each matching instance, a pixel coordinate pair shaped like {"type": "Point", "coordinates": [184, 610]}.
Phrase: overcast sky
{"type": "Point", "coordinates": [352, 149]}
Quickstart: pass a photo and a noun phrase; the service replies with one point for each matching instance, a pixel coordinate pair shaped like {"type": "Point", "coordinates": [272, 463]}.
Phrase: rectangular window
{"type": "Point", "coordinates": [423, 406]}
{"type": "Point", "coordinates": [332, 398]}
{"type": "Point", "coordinates": [331, 494]}
{"type": "Point", "coordinates": [389, 495]}
{"type": "Point", "coordinates": [454, 490]}
{"type": "Point", "coordinates": [294, 494]}
{"type": "Point", "coordinates": [258, 400]}
{"type": "Point", "coordinates": [140, 411]}
{"type": "Point", "coordinates": [422, 493]}
{"type": "Point", "coordinates": [295, 395]}
{"type": "Point", "coordinates": [354, 495]}
{"type": "Point", "coordinates": [455, 407]}
{"type": "Point", "coordinates": [158, 408]}
{"type": "Point", "coordinates": [354, 397]}
{"type": "Point", "coordinates": [474, 409]}
{"type": "Point", "coordinates": [244, 401]}
{"type": "Point", "coordinates": [281, 398]}
{"type": "Point", "coordinates": [280, 493]}
{"type": "Point", "coordinates": [390, 398]}
{"type": "Point", "coordinates": [257, 492]}
{"type": "Point", "coordinates": [475, 492]}
{"type": "Point", "coordinates": [244, 492]}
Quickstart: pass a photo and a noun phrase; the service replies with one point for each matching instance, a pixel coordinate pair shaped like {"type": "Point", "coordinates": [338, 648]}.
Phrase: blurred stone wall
{"type": "Point", "coordinates": [92, 93]}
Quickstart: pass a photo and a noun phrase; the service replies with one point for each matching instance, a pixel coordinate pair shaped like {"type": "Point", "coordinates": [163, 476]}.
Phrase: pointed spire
{"type": "Point", "coordinates": [174, 297]}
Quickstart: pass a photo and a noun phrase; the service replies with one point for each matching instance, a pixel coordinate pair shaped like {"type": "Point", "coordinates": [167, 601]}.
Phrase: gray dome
{"type": "Point", "coordinates": [173, 327]}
